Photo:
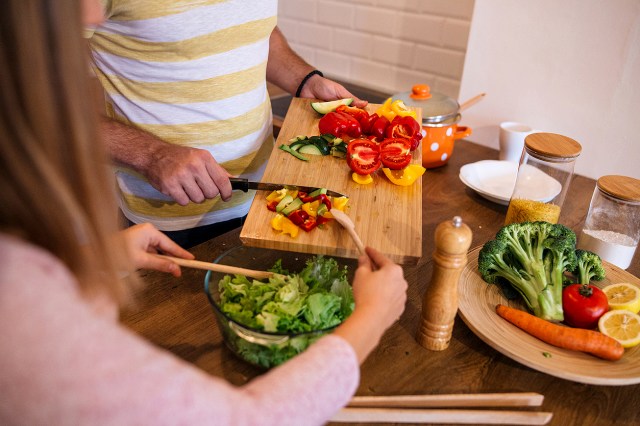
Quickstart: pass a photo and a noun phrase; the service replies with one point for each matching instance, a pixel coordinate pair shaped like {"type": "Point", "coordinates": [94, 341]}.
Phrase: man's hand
{"type": "Point", "coordinates": [187, 174]}
{"type": "Point", "coordinates": [183, 173]}
{"type": "Point", "coordinates": [328, 90]}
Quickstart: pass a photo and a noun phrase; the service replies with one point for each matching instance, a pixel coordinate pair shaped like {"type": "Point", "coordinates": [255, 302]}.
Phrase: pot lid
{"type": "Point", "coordinates": [436, 107]}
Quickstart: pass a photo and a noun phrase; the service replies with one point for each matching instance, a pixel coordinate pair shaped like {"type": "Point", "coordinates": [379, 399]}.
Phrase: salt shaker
{"type": "Point", "coordinates": [612, 227]}
{"type": "Point", "coordinates": [440, 301]}
{"type": "Point", "coordinates": [543, 179]}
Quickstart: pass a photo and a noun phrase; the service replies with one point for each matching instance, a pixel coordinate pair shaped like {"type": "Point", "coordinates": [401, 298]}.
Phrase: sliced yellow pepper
{"type": "Point", "coordinates": [311, 208]}
{"type": "Point", "coordinates": [390, 109]}
{"type": "Point", "coordinates": [361, 179]}
{"type": "Point", "coordinates": [386, 111]}
{"type": "Point", "coordinates": [283, 224]}
{"type": "Point", "coordinates": [406, 176]}
{"type": "Point", "coordinates": [339, 202]}
{"type": "Point", "coordinates": [279, 194]}
{"type": "Point", "coordinates": [402, 110]}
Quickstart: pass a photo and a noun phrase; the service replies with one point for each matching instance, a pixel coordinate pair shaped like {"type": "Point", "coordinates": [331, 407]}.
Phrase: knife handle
{"type": "Point", "coordinates": [241, 184]}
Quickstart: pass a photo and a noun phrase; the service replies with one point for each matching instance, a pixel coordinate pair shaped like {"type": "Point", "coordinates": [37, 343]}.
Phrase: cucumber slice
{"type": "Point", "coordinates": [310, 149]}
{"type": "Point", "coordinates": [293, 152]}
{"type": "Point", "coordinates": [318, 191]}
{"type": "Point", "coordinates": [292, 206]}
{"type": "Point", "coordinates": [284, 203]}
{"type": "Point", "coordinates": [322, 209]}
{"type": "Point", "coordinates": [325, 107]}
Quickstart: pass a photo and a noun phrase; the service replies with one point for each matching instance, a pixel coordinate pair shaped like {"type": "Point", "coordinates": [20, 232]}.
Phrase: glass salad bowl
{"type": "Point", "coordinates": [267, 322]}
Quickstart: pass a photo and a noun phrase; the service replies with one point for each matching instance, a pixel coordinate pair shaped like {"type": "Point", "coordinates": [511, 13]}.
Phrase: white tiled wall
{"type": "Point", "coordinates": [387, 45]}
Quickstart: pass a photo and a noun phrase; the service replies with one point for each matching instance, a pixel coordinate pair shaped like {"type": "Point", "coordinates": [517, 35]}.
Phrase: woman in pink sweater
{"type": "Point", "coordinates": [64, 358]}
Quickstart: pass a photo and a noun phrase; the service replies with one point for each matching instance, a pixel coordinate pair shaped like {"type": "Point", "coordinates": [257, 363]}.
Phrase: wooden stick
{"type": "Point", "coordinates": [417, 415]}
{"type": "Point", "coordinates": [471, 101]}
{"type": "Point", "coordinates": [350, 227]}
{"type": "Point", "coordinates": [225, 269]}
{"type": "Point", "coordinates": [519, 399]}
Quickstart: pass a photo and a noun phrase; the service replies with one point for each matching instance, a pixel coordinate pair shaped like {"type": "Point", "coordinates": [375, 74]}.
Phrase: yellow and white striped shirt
{"type": "Point", "coordinates": [193, 73]}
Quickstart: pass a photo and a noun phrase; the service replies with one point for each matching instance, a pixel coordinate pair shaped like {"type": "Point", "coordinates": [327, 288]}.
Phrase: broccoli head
{"type": "Point", "coordinates": [532, 257]}
{"type": "Point", "coordinates": [588, 267]}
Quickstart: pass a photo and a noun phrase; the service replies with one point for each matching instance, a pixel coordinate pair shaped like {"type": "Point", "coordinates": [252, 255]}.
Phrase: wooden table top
{"type": "Point", "coordinates": [175, 315]}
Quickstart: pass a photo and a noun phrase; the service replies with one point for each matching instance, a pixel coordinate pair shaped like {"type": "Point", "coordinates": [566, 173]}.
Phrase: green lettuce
{"type": "Point", "coordinates": [317, 298]}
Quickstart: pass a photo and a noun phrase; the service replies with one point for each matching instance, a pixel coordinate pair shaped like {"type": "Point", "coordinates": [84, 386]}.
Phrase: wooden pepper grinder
{"type": "Point", "coordinates": [440, 301]}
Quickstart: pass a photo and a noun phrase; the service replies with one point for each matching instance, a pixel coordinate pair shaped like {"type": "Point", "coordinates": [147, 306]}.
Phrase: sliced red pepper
{"type": "Point", "coordinates": [306, 198]}
{"type": "Point", "coordinates": [395, 154]}
{"type": "Point", "coordinates": [405, 128]}
{"type": "Point", "coordinates": [325, 200]}
{"type": "Point", "coordinates": [272, 205]}
{"type": "Point", "coordinates": [373, 117]}
{"type": "Point", "coordinates": [363, 156]}
{"type": "Point", "coordinates": [322, 220]}
{"type": "Point", "coordinates": [359, 114]}
{"type": "Point", "coordinates": [379, 127]}
{"type": "Point", "coordinates": [340, 123]}
{"type": "Point", "coordinates": [303, 220]}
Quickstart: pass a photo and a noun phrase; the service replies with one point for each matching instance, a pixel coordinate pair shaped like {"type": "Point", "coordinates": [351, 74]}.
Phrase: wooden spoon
{"type": "Point", "coordinates": [225, 269]}
{"type": "Point", "coordinates": [348, 224]}
{"type": "Point", "coordinates": [471, 101]}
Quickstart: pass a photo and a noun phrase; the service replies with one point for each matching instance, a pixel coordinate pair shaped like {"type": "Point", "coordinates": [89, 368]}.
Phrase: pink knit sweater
{"type": "Point", "coordinates": [63, 362]}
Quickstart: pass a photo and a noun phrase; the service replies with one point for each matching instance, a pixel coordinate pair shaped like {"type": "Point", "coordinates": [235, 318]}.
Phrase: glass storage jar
{"type": "Point", "coordinates": [612, 227]}
{"type": "Point", "coordinates": [543, 178]}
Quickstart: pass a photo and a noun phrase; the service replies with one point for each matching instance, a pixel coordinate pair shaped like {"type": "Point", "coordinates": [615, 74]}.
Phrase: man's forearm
{"type": "Point", "coordinates": [129, 146]}
{"type": "Point", "coordinates": [285, 68]}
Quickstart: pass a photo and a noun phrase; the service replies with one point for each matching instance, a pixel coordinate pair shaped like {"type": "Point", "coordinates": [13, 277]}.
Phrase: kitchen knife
{"type": "Point", "coordinates": [244, 185]}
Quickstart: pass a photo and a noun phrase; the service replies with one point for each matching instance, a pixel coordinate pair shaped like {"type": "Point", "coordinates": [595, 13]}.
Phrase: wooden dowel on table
{"type": "Point", "coordinates": [515, 399]}
{"type": "Point", "coordinates": [442, 416]}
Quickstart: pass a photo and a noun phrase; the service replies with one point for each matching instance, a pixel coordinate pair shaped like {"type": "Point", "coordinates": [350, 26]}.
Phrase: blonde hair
{"type": "Point", "coordinates": [55, 187]}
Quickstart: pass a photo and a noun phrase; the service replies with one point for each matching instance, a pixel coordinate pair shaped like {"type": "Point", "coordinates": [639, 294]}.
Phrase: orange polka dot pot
{"type": "Point", "coordinates": [438, 142]}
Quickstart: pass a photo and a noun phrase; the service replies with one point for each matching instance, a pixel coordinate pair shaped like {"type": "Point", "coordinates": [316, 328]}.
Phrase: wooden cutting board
{"type": "Point", "coordinates": [387, 217]}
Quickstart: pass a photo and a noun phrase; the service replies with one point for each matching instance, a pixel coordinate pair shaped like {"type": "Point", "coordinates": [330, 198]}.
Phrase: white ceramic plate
{"type": "Point", "coordinates": [494, 180]}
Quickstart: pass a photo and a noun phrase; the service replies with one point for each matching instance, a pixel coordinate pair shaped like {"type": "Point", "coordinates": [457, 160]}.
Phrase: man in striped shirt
{"type": "Point", "coordinates": [185, 88]}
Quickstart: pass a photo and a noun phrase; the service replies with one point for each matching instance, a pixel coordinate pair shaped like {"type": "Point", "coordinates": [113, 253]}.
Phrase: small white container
{"type": "Point", "coordinates": [612, 227]}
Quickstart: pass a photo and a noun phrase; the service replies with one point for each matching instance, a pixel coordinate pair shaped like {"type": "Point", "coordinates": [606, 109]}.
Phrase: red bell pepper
{"type": "Point", "coordinates": [359, 114]}
{"type": "Point", "coordinates": [405, 128]}
{"type": "Point", "coordinates": [325, 200]}
{"type": "Point", "coordinates": [339, 124]}
{"type": "Point", "coordinates": [272, 205]}
{"type": "Point", "coordinates": [379, 127]}
{"type": "Point", "coordinates": [303, 220]}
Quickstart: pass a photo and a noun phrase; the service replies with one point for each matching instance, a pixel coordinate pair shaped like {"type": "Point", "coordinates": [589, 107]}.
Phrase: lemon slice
{"type": "Point", "coordinates": [624, 326]}
{"type": "Point", "coordinates": [623, 296]}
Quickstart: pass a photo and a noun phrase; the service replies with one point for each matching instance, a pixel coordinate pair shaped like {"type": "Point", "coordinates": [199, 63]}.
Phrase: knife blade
{"type": "Point", "coordinates": [244, 185]}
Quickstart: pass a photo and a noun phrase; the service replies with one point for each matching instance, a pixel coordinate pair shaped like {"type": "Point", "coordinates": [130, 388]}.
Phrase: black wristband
{"type": "Point", "coordinates": [304, 81]}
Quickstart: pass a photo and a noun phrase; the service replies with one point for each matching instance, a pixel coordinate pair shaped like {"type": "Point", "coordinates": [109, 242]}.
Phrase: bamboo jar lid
{"type": "Point", "coordinates": [621, 187]}
{"type": "Point", "coordinates": [552, 145]}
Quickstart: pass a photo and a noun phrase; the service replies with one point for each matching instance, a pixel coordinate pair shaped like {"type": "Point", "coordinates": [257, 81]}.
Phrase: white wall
{"type": "Point", "coordinates": [388, 45]}
{"type": "Point", "coordinates": [565, 66]}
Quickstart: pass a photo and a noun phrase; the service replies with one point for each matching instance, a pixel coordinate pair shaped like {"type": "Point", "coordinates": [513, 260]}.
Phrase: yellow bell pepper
{"type": "Point", "coordinates": [279, 194]}
{"type": "Point", "coordinates": [283, 224]}
{"type": "Point", "coordinates": [390, 109]}
{"type": "Point", "coordinates": [361, 179]}
{"type": "Point", "coordinates": [402, 110]}
{"type": "Point", "coordinates": [385, 110]}
{"type": "Point", "coordinates": [339, 202]}
{"type": "Point", "coordinates": [311, 208]}
{"type": "Point", "coordinates": [406, 176]}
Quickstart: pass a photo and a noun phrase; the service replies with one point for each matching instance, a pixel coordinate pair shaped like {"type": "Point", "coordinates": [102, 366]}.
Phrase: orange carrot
{"type": "Point", "coordinates": [576, 339]}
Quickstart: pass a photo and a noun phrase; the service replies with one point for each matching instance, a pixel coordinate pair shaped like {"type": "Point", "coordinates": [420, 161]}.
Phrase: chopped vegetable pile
{"type": "Point", "coordinates": [317, 298]}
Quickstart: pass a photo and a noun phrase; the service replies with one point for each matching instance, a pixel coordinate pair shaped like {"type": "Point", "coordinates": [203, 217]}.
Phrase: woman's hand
{"type": "Point", "coordinates": [143, 240]}
{"type": "Point", "coordinates": [383, 290]}
{"type": "Point", "coordinates": [380, 296]}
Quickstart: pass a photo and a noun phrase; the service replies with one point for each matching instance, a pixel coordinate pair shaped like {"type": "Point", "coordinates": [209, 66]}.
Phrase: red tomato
{"type": "Point", "coordinates": [583, 305]}
{"type": "Point", "coordinates": [363, 156]}
{"type": "Point", "coordinates": [395, 154]}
